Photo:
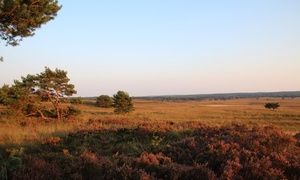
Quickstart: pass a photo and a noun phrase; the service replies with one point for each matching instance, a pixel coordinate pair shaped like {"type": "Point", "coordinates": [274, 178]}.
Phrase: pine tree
{"type": "Point", "coordinates": [104, 101]}
{"type": "Point", "coordinates": [54, 85]}
{"type": "Point", "coordinates": [122, 103]}
{"type": "Point", "coordinates": [25, 95]}
{"type": "Point", "coordinates": [20, 18]}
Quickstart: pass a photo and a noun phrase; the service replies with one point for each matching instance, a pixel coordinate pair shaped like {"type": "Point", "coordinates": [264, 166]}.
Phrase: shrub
{"type": "Point", "coordinates": [122, 103]}
{"type": "Point", "coordinates": [104, 101]}
{"type": "Point", "coordinates": [240, 153]}
{"type": "Point", "coordinates": [11, 163]}
{"type": "Point", "coordinates": [73, 111]}
{"type": "Point", "coordinates": [76, 100]}
{"type": "Point", "coordinates": [229, 152]}
{"type": "Point", "coordinates": [272, 106]}
{"type": "Point", "coordinates": [38, 168]}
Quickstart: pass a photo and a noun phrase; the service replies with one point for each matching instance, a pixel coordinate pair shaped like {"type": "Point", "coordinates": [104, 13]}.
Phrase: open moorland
{"type": "Point", "coordinates": [207, 139]}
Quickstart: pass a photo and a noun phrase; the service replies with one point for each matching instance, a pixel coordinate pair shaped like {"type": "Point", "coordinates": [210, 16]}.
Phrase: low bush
{"type": "Point", "coordinates": [202, 152]}
{"type": "Point", "coordinates": [104, 101]}
{"type": "Point", "coordinates": [77, 100]}
{"type": "Point", "coordinates": [73, 111]}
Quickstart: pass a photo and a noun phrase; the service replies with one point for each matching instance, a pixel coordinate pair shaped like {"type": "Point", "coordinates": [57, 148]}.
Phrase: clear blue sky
{"type": "Point", "coordinates": [158, 47]}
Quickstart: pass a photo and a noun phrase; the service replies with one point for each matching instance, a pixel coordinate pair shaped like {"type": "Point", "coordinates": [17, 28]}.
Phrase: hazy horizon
{"type": "Point", "coordinates": [150, 48]}
{"type": "Point", "coordinates": [195, 94]}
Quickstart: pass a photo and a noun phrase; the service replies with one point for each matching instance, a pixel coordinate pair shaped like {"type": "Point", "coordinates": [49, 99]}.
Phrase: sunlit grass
{"type": "Point", "coordinates": [211, 112]}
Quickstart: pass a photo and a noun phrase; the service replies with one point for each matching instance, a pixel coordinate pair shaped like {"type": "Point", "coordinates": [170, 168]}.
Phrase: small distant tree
{"type": "Point", "coordinates": [272, 106]}
{"type": "Point", "coordinates": [104, 101]}
{"type": "Point", "coordinates": [122, 103]}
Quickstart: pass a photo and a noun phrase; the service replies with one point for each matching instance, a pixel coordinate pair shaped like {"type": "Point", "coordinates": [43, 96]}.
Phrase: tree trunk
{"type": "Point", "coordinates": [41, 113]}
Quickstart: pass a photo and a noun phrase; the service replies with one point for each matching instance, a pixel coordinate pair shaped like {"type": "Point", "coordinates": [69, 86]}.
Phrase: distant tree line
{"type": "Point", "coordinates": [224, 96]}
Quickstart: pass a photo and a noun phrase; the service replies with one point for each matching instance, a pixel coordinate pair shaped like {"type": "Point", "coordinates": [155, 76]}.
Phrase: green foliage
{"type": "Point", "coordinates": [4, 93]}
{"type": "Point", "coordinates": [122, 103]}
{"type": "Point", "coordinates": [25, 95]}
{"type": "Point", "coordinates": [20, 18]}
{"type": "Point", "coordinates": [156, 141]}
{"type": "Point", "coordinates": [272, 106]}
{"type": "Point", "coordinates": [54, 85]}
{"type": "Point", "coordinates": [10, 162]}
{"type": "Point", "coordinates": [76, 100]}
{"type": "Point", "coordinates": [19, 97]}
{"type": "Point", "coordinates": [104, 101]}
{"type": "Point", "coordinates": [73, 111]}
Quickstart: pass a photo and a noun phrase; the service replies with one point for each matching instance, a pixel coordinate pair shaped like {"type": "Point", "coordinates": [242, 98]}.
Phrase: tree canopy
{"type": "Point", "coordinates": [20, 18]}
{"type": "Point", "coordinates": [122, 103]}
{"type": "Point", "coordinates": [53, 85]}
{"type": "Point", "coordinates": [104, 101]}
{"type": "Point", "coordinates": [26, 95]}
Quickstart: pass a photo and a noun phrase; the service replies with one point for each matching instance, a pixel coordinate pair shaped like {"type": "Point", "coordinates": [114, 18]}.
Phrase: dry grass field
{"type": "Point", "coordinates": [209, 139]}
{"type": "Point", "coordinates": [250, 112]}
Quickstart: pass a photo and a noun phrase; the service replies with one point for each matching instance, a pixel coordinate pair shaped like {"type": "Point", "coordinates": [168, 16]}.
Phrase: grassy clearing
{"type": "Point", "coordinates": [216, 113]}
{"type": "Point", "coordinates": [211, 112]}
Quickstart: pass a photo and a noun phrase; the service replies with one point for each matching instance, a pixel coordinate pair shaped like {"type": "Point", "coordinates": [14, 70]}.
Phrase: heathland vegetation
{"type": "Point", "coordinates": [207, 139]}
{"type": "Point", "coordinates": [45, 135]}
